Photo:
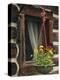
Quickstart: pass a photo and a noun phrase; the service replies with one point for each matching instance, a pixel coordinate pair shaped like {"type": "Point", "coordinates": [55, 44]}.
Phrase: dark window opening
{"type": "Point", "coordinates": [32, 27]}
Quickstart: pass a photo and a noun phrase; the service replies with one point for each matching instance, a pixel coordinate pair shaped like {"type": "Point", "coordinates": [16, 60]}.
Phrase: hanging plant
{"type": "Point", "coordinates": [43, 57]}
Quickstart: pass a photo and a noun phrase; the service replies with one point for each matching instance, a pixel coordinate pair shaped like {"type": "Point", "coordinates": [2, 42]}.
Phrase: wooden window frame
{"type": "Point", "coordinates": [22, 36]}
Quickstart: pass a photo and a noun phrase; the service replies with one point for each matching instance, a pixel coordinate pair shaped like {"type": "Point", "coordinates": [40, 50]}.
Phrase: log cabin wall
{"type": "Point", "coordinates": [13, 40]}
{"type": "Point", "coordinates": [16, 21]}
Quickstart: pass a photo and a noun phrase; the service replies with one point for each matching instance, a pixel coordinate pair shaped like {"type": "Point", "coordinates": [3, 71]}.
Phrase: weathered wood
{"type": "Point", "coordinates": [50, 30]}
{"type": "Point", "coordinates": [21, 44]}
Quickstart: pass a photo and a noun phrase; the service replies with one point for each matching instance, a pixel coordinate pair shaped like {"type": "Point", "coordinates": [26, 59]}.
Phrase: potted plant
{"type": "Point", "coordinates": [43, 57]}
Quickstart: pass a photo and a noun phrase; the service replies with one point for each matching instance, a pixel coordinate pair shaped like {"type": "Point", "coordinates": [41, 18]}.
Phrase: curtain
{"type": "Point", "coordinates": [33, 34]}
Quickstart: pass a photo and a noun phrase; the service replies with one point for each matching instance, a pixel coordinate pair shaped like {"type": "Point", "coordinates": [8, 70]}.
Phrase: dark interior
{"type": "Point", "coordinates": [28, 47]}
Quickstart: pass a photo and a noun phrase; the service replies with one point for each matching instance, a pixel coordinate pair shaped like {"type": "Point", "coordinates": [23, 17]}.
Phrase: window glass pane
{"type": "Point", "coordinates": [31, 36]}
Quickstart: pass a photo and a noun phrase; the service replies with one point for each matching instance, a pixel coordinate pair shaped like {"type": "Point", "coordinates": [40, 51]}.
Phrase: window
{"type": "Point", "coordinates": [32, 31]}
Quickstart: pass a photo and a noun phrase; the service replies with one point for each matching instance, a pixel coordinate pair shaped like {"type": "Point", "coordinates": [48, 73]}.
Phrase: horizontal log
{"type": "Point", "coordinates": [55, 36]}
{"type": "Point", "coordinates": [55, 43]}
{"type": "Point", "coordinates": [12, 33]}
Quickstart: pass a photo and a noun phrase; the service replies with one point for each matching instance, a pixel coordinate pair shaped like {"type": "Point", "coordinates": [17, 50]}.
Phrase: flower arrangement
{"type": "Point", "coordinates": [43, 56]}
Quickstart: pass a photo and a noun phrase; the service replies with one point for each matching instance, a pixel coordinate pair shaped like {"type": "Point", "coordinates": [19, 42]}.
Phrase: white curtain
{"type": "Point", "coordinates": [36, 35]}
{"type": "Point", "coordinates": [33, 34]}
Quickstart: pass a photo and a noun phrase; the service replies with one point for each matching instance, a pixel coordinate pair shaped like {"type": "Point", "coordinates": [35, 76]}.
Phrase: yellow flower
{"type": "Point", "coordinates": [41, 49]}
{"type": "Point", "coordinates": [51, 52]}
{"type": "Point", "coordinates": [49, 48]}
{"type": "Point", "coordinates": [41, 46]}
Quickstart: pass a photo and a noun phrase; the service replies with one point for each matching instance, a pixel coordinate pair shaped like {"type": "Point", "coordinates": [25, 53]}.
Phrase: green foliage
{"type": "Point", "coordinates": [44, 59]}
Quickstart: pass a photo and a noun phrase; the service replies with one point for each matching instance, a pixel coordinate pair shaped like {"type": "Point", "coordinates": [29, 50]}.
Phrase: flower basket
{"type": "Point", "coordinates": [44, 70]}
{"type": "Point", "coordinates": [43, 57]}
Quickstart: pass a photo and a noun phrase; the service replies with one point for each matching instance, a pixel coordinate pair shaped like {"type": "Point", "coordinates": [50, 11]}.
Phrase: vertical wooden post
{"type": "Point", "coordinates": [21, 27]}
{"type": "Point", "coordinates": [49, 28]}
{"type": "Point", "coordinates": [51, 31]}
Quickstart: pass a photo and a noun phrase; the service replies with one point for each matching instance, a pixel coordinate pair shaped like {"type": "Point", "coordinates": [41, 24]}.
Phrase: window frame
{"type": "Point", "coordinates": [22, 29]}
